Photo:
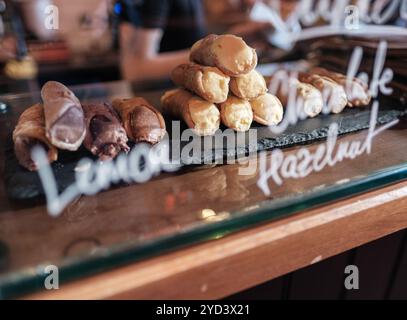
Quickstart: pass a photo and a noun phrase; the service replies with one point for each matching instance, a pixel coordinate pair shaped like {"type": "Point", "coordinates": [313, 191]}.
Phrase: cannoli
{"type": "Point", "coordinates": [333, 92]}
{"type": "Point", "coordinates": [236, 113]}
{"type": "Point", "coordinates": [209, 83]}
{"type": "Point", "coordinates": [227, 52]}
{"type": "Point", "coordinates": [105, 136]}
{"type": "Point", "coordinates": [358, 92]}
{"type": "Point", "coordinates": [308, 100]}
{"type": "Point", "coordinates": [267, 109]}
{"type": "Point", "coordinates": [29, 132]}
{"type": "Point", "coordinates": [64, 118]}
{"type": "Point", "coordinates": [142, 122]}
{"type": "Point", "coordinates": [200, 115]}
{"type": "Point", "coordinates": [248, 86]}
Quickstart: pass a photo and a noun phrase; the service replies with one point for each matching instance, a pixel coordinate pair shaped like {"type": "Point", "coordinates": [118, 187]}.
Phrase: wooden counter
{"type": "Point", "coordinates": [222, 267]}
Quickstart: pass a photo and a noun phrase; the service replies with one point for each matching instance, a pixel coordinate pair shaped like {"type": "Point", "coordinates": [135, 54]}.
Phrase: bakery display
{"type": "Point", "coordinates": [214, 59]}
{"type": "Point", "coordinates": [29, 132]}
{"type": "Point", "coordinates": [335, 52]}
{"type": "Point", "coordinates": [218, 56]}
{"type": "Point", "coordinates": [219, 85]}
{"type": "Point", "coordinates": [248, 86]}
{"type": "Point", "coordinates": [163, 136]}
{"type": "Point", "coordinates": [64, 118]}
{"type": "Point", "coordinates": [267, 109]}
{"type": "Point", "coordinates": [307, 99]}
{"type": "Point", "coordinates": [333, 93]}
{"type": "Point", "coordinates": [236, 113]}
{"type": "Point", "coordinates": [209, 83]}
{"type": "Point", "coordinates": [105, 135]}
{"type": "Point", "coordinates": [142, 122]}
{"type": "Point", "coordinates": [227, 52]}
{"type": "Point", "coordinates": [200, 115]}
{"type": "Point", "coordinates": [62, 122]}
{"type": "Point", "coordinates": [357, 93]}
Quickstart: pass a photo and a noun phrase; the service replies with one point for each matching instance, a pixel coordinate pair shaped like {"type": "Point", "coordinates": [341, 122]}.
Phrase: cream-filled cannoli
{"type": "Point", "coordinates": [105, 136]}
{"type": "Point", "coordinates": [142, 122]}
{"type": "Point", "coordinates": [64, 118]}
{"type": "Point", "coordinates": [209, 83]}
{"type": "Point", "coordinates": [358, 93]}
{"type": "Point", "coordinates": [267, 109]}
{"type": "Point", "coordinates": [227, 52]}
{"type": "Point", "coordinates": [308, 99]}
{"type": "Point", "coordinates": [236, 113]}
{"type": "Point", "coordinates": [336, 99]}
{"type": "Point", "coordinates": [248, 86]}
{"type": "Point", "coordinates": [29, 132]}
{"type": "Point", "coordinates": [200, 115]}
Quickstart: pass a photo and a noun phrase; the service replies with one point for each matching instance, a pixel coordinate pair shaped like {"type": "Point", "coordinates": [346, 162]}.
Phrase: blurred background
{"type": "Point", "coordinates": [90, 41]}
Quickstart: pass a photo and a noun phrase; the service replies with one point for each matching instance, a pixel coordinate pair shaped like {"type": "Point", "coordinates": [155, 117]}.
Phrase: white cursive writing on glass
{"type": "Point", "coordinates": [304, 162]}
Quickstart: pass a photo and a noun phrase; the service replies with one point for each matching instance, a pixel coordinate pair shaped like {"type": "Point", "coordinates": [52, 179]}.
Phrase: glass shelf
{"type": "Point", "coordinates": [199, 203]}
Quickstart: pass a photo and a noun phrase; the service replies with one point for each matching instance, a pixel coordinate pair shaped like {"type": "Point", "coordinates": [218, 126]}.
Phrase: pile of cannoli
{"type": "Point", "coordinates": [220, 84]}
{"type": "Point", "coordinates": [62, 122]}
{"type": "Point", "coordinates": [335, 53]}
{"type": "Point", "coordinates": [318, 88]}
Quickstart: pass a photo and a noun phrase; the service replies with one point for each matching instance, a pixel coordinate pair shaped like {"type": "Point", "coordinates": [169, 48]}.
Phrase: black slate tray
{"type": "Point", "coordinates": [21, 184]}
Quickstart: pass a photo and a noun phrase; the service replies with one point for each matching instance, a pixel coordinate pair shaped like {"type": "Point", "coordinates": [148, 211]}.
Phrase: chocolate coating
{"type": "Point", "coordinates": [105, 136]}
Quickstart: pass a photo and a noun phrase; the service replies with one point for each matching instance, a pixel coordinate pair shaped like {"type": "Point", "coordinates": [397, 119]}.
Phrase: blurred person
{"type": "Point", "coordinates": [155, 35]}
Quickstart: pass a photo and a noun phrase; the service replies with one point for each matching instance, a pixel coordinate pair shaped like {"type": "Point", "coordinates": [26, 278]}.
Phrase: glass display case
{"type": "Point", "coordinates": [48, 218]}
{"type": "Point", "coordinates": [196, 203]}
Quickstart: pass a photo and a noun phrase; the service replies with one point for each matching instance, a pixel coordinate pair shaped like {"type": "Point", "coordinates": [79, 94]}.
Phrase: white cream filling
{"type": "Point", "coordinates": [268, 108]}
{"type": "Point", "coordinates": [205, 116]}
{"type": "Point", "coordinates": [251, 85]}
{"type": "Point", "coordinates": [216, 85]}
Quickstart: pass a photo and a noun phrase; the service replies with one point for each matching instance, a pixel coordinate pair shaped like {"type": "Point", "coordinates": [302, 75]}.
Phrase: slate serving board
{"type": "Point", "coordinates": [21, 184]}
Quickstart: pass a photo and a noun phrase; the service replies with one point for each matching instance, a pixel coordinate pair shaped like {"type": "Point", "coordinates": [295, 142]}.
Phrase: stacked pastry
{"type": "Point", "coordinates": [62, 122]}
{"type": "Point", "coordinates": [319, 90]}
{"type": "Point", "coordinates": [335, 53]}
{"type": "Point", "coordinates": [220, 84]}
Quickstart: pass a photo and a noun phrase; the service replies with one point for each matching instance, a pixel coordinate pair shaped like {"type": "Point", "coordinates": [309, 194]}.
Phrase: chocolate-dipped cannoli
{"type": "Point", "coordinates": [236, 114]}
{"type": "Point", "coordinates": [227, 52]}
{"type": "Point", "coordinates": [267, 109]}
{"type": "Point", "coordinates": [335, 93]}
{"type": "Point", "coordinates": [248, 86]}
{"type": "Point", "coordinates": [142, 122]}
{"type": "Point", "coordinates": [308, 100]}
{"type": "Point", "coordinates": [105, 136]}
{"type": "Point", "coordinates": [200, 115]}
{"type": "Point", "coordinates": [29, 132]}
{"type": "Point", "coordinates": [358, 93]}
{"type": "Point", "coordinates": [209, 83]}
{"type": "Point", "coordinates": [64, 118]}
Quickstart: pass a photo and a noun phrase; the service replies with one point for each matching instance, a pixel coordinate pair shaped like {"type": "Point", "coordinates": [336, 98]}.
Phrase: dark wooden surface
{"type": "Point", "coordinates": [382, 268]}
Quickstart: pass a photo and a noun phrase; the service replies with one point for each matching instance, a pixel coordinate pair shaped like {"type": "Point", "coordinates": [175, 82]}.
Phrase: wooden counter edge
{"type": "Point", "coordinates": [218, 268]}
